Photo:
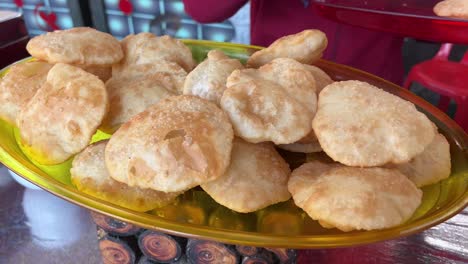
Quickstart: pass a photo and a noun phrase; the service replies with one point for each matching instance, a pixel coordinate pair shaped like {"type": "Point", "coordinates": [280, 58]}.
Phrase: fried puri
{"type": "Point", "coordinates": [306, 47]}
{"type": "Point", "coordinates": [130, 96]}
{"type": "Point", "coordinates": [89, 175]}
{"type": "Point", "coordinates": [65, 112]}
{"type": "Point", "coordinates": [256, 178]}
{"type": "Point", "coordinates": [146, 48]}
{"type": "Point", "coordinates": [321, 78]}
{"type": "Point", "coordinates": [358, 124]}
{"type": "Point", "coordinates": [168, 73]}
{"type": "Point", "coordinates": [208, 79]}
{"type": "Point", "coordinates": [429, 167]}
{"type": "Point", "coordinates": [80, 45]}
{"type": "Point", "coordinates": [19, 86]}
{"type": "Point", "coordinates": [452, 8]}
{"type": "Point", "coordinates": [350, 198]}
{"type": "Point", "coordinates": [177, 144]}
{"type": "Point", "coordinates": [274, 103]}
{"type": "Point", "coordinates": [307, 144]}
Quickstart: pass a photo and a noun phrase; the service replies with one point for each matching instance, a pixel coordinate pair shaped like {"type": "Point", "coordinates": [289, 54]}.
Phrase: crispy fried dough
{"type": "Point", "coordinates": [177, 144]}
{"type": "Point", "coordinates": [89, 175]}
{"type": "Point", "coordinates": [61, 118]}
{"type": "Point", "coordinates": [351, 198]}
{"type": "Point", "coordinates": [429, 167]}
{"type": "Point", "coordinates": [274, 103]}
{"type": "Point", "coordinates": [146, 48]}
{"type": "Point", "coordinates": [208, 79]}
{"type": "Point", "coordinates": [19, 86]}
{"type": "Point", "coordinates": [130, 96]}
{"type": "Point", "coordinates": [80, 45]}
{"type": "Point", "coordinates": [452, 8]}
{"type": "Point", "coordinates": [358, 124]}
{"type": "Point", "coordinates": [306, 47]}
{"type": "Point", "coordinates": [256, 178]}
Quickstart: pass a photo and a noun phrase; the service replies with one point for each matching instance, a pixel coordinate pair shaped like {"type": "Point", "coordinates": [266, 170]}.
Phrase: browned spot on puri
{"type": "Point", "coordinates": [368, 208]}
{"type": "Point", "coordinates": [354, 129]}
{"type": "Point", "coordinates": [139, 168]}
{"type": "Point", "coordinates": [323, 126]}
{"type": "Point", "coordinates": [96, 98]}
{"type": "Point", "coordinates": [73, 127]}
{"type": "Point", "coordinates": [174, 134]}
{"type": "Point", "coordinates": [321, 190]}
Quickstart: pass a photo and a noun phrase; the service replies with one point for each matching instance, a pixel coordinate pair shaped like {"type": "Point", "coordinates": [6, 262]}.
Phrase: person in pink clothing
{"type": "Point", "coordinates": [375, 52]}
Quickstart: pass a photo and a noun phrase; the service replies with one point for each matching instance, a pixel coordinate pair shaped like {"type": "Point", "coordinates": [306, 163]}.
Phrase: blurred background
{"type": "Point", "coordinates": [123, 17]}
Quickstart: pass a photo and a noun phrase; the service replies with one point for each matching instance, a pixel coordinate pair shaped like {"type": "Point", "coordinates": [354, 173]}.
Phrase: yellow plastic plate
{"type": "Point", "coordinates": [195, 214]}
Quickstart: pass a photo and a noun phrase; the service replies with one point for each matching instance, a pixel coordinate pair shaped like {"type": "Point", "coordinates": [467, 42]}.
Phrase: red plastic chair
{"type": "Point", "coordinates": [447, 78]}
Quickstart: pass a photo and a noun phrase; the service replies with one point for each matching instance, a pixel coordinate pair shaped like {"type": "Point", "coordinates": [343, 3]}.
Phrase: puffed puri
{"type": "Point", "coordinates": [89, 175]}
{"type": "Point", "coordinates": [358, 124]}
{"type": "Point", "coordinates": [276, 102]}
{"type": "Point", "coordinates": [80, 45]}
{"type": "Point", "coordinates": [63, 115]}
{"type": "Point", "coordinates": [179, 143]}
{"type": "Point", "coordinates": [351, 198]}
{"type": "Point", "coordinates": [146, 48]}
{"type": "Point", "coordinates": [256, 178]}
{"type": "Point", "coordinates": [19, 86]}
{"type": "Point", "coordinates": [306, 47]}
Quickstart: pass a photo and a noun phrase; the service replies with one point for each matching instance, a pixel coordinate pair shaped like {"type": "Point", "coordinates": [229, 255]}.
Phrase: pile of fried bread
{"type": "Point", "coordinates": [176, 125]}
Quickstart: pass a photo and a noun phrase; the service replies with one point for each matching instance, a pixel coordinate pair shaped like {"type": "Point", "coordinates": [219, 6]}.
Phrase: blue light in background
{"type": "Point", "coordinates": [218, 37]}
{"type": "Point", "coordinates": [182, 33]}
{"type": "Point", "coordinates": [63, 2]}
{"type": "Point", "coordinates": [116, 25]}
{"type": "Point", "coordinates": [178, 7]}
{"type": "Point", "coordinates": [65, 22]}
{"type": "Point", "coordinates": [112, 2]}
{"type": "Point", "coordinates": [41, 23]}
{"type": "Point", "coordinates": [145, 3]}
{"type": "Point", "coordinates": [144, 27]}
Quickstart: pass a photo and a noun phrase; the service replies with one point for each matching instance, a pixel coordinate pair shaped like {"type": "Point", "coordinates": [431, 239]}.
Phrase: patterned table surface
{"type": "Point", "coordinates": [37, 227]}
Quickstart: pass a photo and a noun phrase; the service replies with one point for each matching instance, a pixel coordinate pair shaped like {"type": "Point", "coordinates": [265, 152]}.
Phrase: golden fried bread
{"type": "Point", "coordinates": [274, 103]}
{"type": "Point", "coordinates": [65, 112]}
{"type": "Point", "coordinates": [146, 48]}
{"type": "Point", "coordinates": [350, 198]}
{"type": "Point", "coordinates": [19, 86]}
{"type": "Point", "coordinates": [168, 73]}
{"type": "Point", "coordinates": [261, 110]}
{"type": "Point", "coordinates": [429, 167]}
{"type": "Point", "coordinates": [358, 124]}
{"type": "Point", "coordinates": [256, 178]}
{"type": "Point", "coordinates": [321, 78]}
{"type": "Point", "coordinates": [307, 144]}
{"type": "Point", "coordinates": [295, 78]}
{"type": "Point", "coordinates": [306, 47]}
{"type": "Point", "coordinates": [177, 144]}
{"type": "Point", "coordinates": [452, 8]}
{"type": "Point", "coordinates": [80, 45]}
{"type": "Point", "coordinates": [208, 79]}
{"type": "Point", "coordinates": [130, 96]}
{"type": "Point", "coordinates": [89, 175]}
